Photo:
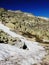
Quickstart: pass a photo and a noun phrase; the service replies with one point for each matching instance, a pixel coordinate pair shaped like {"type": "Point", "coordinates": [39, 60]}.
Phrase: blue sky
{"type": "Point", "coordinates": [36, 7]}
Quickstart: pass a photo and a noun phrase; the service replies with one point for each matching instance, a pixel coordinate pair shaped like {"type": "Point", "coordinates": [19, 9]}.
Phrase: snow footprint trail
{"type": "Point", "coordinates": [34, 54]}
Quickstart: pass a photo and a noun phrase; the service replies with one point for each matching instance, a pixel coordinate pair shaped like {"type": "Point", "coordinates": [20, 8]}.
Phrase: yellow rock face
{"type": "Point", "coordinates": [10, 25]}
{"type": "Point", "coordinates": [27, 23]}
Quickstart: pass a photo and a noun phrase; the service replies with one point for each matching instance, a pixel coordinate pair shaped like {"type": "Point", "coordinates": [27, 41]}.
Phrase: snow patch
{"type": "Point", "coordinates": [43, 18]}
{"type": "Point", "coordinates": [25, 57]}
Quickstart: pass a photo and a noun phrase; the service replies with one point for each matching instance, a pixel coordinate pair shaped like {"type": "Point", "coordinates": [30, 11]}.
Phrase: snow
{"type": "Point", "coordinates": [34, 54]}
{"type": "Point", "coordinates": [25, 57]}
{"type": "Point", "coordinates": [43, 18]}
{"type": "Point", "coordinates": [7, 30]}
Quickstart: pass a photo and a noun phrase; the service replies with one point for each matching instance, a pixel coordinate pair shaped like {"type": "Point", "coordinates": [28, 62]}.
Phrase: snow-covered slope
{"type": "Point", "coordinates": [13, 54]}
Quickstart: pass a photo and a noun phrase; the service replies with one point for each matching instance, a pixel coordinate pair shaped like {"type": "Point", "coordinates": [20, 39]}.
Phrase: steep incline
{"type": "Point", "coordinates": [20, 25]}
{"type": "Point", "coordinates": [26, 24]}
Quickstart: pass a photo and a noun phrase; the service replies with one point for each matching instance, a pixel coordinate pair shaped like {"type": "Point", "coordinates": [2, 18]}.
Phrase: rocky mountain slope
{"type": "Point", "coordinates": [27, 24]}
{"type": "Point", "coordinates": [33, 28]}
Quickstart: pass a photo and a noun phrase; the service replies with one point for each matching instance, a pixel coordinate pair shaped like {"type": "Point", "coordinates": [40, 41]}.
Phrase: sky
{"type": "Point", "coordinates": [36, 7]}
